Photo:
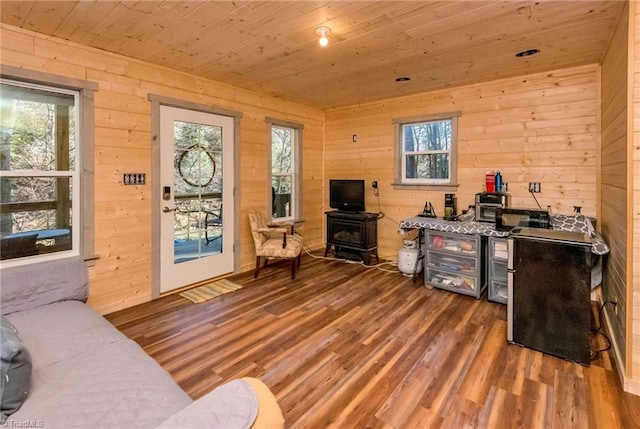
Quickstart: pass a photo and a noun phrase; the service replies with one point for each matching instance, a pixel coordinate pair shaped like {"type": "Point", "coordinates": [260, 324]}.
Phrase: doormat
{"type": "Point", "coordinates": [210, 290]}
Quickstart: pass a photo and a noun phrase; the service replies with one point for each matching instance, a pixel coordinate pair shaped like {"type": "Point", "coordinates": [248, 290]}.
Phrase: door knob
{"type": "Point", "coordinates": [166, 209]}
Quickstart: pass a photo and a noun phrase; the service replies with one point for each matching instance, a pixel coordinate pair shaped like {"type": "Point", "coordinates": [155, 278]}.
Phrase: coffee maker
{"type": "Point", "coordinates": [450, 211]}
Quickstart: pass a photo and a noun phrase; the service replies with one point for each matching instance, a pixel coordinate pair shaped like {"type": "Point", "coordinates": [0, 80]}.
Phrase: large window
{"type": "Point", "coordinates": [41, 197]}
{"type": "Point", "coordinates": [285, 169]}
{"type": "Point", "coordinates": [426, 151]}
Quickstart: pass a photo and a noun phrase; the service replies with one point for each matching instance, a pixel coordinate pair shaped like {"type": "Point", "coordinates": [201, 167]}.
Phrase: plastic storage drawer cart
{"type": "Point", "coordinates": [454, 263]}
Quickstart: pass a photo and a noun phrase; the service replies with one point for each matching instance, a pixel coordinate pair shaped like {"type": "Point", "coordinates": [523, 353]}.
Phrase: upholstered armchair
{"type": "Point", "coordinates": [274, 241]}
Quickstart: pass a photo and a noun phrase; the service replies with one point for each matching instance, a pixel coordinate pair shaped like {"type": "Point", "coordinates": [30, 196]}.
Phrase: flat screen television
{"type": "Point", "coordinates": [346, 195]}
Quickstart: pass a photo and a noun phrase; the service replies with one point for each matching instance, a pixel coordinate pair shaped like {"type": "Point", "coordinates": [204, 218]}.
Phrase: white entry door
{"type": "Point", "coordinates": [196, 226]}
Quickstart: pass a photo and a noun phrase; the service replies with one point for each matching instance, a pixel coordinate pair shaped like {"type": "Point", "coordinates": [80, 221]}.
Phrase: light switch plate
{"type": "Point", "coordinates": [134, 178]}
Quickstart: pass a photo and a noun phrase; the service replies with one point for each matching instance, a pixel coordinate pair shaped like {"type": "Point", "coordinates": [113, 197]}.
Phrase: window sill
{"type": "Point", "coordinates": [289, 221]}
{"type": "Point", "coordinates": [422, 187]}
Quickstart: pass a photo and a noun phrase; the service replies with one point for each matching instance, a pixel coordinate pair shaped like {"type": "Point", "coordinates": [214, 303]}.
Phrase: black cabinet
{"type": "Point", "coordinates": [353, 236]}
{"type": "Point", "coordinates": [549, 297]}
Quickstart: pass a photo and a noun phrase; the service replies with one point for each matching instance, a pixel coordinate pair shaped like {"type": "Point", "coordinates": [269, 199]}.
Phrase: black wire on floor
{"type": "Point", "coordinates": [380, 265]}
{"type": "Point", "coordinates": [599, 331]}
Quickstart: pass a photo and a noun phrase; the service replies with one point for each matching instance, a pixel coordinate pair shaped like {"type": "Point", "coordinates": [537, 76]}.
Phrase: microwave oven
{"type": "Point", "coordinates": [487, 203]}
{"type": "Point", "coordinates": [508, 218]}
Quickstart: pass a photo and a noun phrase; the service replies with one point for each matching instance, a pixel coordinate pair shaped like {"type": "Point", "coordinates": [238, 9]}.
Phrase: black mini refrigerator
{"type": "Point", "coordinates": [549, 292]}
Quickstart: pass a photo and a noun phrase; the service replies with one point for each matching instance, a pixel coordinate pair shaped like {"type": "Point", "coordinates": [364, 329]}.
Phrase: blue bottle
{"type": "Point", "coordinates": [498, 182]}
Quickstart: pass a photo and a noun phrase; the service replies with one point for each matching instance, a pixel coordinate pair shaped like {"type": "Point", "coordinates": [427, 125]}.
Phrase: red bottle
{"type": "Point", "coordinates": [490, 181]}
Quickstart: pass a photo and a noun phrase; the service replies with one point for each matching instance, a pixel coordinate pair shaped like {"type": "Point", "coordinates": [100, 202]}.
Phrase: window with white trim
{"type": "Point", "coordinates": [426, 150]}
{"type": "Point", "coordinates": [40, 172]}
{"type": "Point", "coordinates": [285, 170]}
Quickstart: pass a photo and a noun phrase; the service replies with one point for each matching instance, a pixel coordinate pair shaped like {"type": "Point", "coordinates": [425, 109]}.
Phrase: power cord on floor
{"type": "Point", "coordinates": [378, 266]}
{"type": "Point", "coordinates": [594, 354]}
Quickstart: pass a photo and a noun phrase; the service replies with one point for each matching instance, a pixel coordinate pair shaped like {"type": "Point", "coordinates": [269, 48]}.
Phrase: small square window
{"type": "Point", "coordinates": [426, 151]}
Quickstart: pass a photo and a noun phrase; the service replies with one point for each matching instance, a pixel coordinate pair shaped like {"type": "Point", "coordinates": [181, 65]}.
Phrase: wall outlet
{"type": "Point", "coordinates": [534, 187]}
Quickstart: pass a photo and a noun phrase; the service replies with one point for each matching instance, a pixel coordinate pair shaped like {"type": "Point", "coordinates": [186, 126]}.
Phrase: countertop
{"type": "Point", "coordinates": [574, 223]}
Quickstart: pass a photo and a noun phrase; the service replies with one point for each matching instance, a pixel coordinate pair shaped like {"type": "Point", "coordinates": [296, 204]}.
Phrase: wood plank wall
{"type": "Point", "coordinates": [536, 128]}
{"type": "Point", "coordinates": [122, 276]}
{"type": "Point", "coordinates": [633, 293]}
{"type": "Point", "coordinates": [614, 180]}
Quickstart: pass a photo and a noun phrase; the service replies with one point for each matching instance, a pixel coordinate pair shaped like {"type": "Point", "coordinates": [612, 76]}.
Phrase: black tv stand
{"type": "Point", "coordinates": [353, 235]}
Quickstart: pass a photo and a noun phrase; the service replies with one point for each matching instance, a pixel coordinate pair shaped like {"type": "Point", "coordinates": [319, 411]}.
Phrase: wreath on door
{"type": "Point", "coordinates": [196, 166]}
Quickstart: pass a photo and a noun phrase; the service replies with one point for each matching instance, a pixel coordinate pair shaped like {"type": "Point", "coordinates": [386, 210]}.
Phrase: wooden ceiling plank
{"type": "Point", "coordinates": [146, 6]}
{"type": "Point", "coordinates": [422, 15]}
{"type": "Point", "coordinates": [368, 16]}
{"type": "Point", "coordinates": [112, 25]}
{"type": "Point", "coordinates": [187, 18]}
{"type": "Point", "coordinates": [228, 51]}
{"type": "Point", "coordinates": [80, 22]}
{"type": "Point", "coordinates": [491, 26]}
{"type": "Point", "coordinates": [552, 19]}
{"type": "Point", "coordinates": [259, 30]}
{"type": "Point", "coordinates": [157, 19]}
{"type": "Point", "coordinates": [47, 16]}
{"type": "Point", "coordinates": [232, 27]}
{"type": "Point", "coordinates": [15, 12]}
{"type": "Point", "coordinates": [125, 23]}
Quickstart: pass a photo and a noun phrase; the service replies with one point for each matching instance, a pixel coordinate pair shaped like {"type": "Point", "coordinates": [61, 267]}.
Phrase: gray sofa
{"type": "Point", "coordinates": [86, 374]}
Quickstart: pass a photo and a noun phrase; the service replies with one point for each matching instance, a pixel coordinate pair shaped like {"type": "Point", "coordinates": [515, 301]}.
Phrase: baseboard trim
{"type": "Point", "coordinates": [628, 385]}
{"type": "Point", "coordinates": [632, 386]}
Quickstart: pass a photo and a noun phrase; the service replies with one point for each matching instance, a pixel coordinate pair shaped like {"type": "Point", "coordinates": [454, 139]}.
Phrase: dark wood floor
{"type": "Point", "coordinates": [345, 346]}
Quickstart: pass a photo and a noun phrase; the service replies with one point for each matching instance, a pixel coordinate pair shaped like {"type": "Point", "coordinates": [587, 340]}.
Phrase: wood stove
{"type": "Point", "coordinates": [353, 236]}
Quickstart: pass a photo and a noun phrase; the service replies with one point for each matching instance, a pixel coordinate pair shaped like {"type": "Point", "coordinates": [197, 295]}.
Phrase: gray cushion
{"type": "Point", "coordinates": [59, 331]}
{"type": "Point", "coordinates": [87, 374]}
{"type": "Point", "coordinates": [114, 386]}
{"type": "Point", "coordinates": [33, 285]}
{"type": "Point", "coordinates": [232, 405]}
{"type": "Point", "coordinates": [15, 370]}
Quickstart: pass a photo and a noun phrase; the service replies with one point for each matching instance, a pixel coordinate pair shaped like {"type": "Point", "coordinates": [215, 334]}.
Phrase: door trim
{"type": "Point", "coordinates": [156, 197]}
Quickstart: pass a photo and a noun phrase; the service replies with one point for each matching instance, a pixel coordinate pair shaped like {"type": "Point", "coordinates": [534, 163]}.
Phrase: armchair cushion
{"type": "Point", "coordinates": [272, 248]}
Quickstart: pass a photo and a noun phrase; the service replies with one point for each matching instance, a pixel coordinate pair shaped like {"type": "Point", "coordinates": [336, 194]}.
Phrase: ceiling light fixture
{"type": "Point", "coordinates": [323, 32]}
{"type": "Point", "coordinates": [527, 53]}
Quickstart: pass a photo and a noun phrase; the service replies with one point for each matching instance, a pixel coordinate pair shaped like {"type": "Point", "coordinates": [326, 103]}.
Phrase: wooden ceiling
{"type": "Point", "coordinates": [271, 47]}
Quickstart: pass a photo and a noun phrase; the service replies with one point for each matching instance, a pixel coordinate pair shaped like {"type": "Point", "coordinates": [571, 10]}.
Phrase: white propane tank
{"type": "Point", "coordinates": [407, 257]}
